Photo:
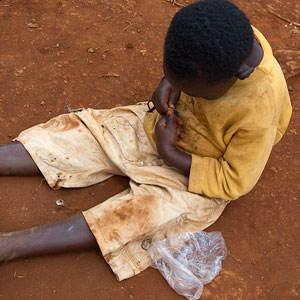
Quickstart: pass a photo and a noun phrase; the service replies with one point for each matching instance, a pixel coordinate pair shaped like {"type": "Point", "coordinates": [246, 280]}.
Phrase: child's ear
{"type": "Point", "coordinates": [244, 72]}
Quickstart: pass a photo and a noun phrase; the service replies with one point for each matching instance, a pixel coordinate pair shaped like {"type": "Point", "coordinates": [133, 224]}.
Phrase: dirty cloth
{"type": "Point", "coordinates": [231, 138]}
{"type": "Point", "coordinates": [86, 147]}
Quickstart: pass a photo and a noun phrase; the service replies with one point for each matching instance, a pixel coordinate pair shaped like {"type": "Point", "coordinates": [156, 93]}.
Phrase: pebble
{"type": "Point", "coordinates": [274, 169]}
{"type": "Point", "coordinates": [129, 46]}
{"type": "Point", "coordinates": [91, 50]}
{"type": "Point", "coordinates": [43, 103]}
{"type": "Point", "coordinates": [32, 25]}
{"type": "Point", "coordinates": [293, 131]}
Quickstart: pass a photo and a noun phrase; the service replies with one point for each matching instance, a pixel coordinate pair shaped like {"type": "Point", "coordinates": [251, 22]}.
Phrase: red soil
{"type": "Point", "coordinates": [45, 64]}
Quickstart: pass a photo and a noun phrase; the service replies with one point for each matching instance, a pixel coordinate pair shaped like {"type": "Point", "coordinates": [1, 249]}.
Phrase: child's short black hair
{"type": "Point", "coordinates": [210, 38]}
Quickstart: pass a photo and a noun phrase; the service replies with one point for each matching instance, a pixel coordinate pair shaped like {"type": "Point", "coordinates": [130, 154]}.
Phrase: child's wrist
{"type": "Point", "coordinates": [166, 150]}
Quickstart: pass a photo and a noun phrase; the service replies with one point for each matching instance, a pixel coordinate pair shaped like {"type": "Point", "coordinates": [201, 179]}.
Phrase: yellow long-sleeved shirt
{"type": "Point", "coordinates": [231, 138]}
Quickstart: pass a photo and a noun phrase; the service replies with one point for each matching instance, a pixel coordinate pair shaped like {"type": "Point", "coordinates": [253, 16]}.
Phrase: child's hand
{"type": "Point", "coordinates": [167, 131]}
{"type": "Point", "coordinates": [165, 96]}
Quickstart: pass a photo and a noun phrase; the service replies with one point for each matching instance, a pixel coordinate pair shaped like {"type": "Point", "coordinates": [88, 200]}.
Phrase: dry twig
{"type": "Point", "coordinates": [110, 74]}
{"type": "Point", "coordinates": [271, 11]}
{"type": "Point", "coordinates": [174, 2]}
{"type": "Point", "coordinates": [130, 24]}
{"type": "Point", "coordinates": [236, 259]}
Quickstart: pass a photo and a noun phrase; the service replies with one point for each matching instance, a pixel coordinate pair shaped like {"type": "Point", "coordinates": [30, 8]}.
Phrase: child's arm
{"type": "Point", "coordinates": [237, 171]}
{"type": "Point", "coordinates": [228, 177]}
{"type": "Point", "coordinates": [167, 132]}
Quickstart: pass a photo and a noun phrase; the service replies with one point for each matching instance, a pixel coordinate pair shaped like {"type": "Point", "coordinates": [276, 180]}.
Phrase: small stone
{"type": "Point", "coordinates": [290, 88]}
{"type": "Point", "coordinates": [129, 46]}
{"type": "Point", "coordinates": [42, 103]}
{"type": "Point", "coordinates": [32, 25]}
{"type": "Point", "coordinates": [295, 31]}
{"type": "Point", "coordinates": [45, 50]}
{"type": "Point", "coordinates": [274, 169]}
{"type": "Point", "coordinates": [91, 50]}
{"type": "Point", "coordinates": [9, 135]}
{"type": "Point", "coordinates": [20, 71]}
{"type": "Point", "coordinates": [293, 131]}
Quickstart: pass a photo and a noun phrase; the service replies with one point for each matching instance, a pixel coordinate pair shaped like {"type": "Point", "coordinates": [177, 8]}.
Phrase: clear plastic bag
{"type": "Point", "coordinates": [188, 261]}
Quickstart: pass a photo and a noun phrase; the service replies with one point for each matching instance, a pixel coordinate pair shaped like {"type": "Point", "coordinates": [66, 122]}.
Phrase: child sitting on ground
{"type": "Point", "coordinates": [216, 115]}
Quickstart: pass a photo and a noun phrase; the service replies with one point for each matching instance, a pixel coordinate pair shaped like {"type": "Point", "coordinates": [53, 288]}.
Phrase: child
{"type": "Point", "coordinates": [220, 108]}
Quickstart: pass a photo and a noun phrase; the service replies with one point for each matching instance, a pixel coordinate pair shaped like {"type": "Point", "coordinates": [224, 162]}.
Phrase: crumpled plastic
{"type": "Point", "coordinates": [189, 260]}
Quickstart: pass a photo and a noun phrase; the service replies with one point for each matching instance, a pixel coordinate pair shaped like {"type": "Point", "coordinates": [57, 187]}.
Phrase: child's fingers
{"type": "Point", "coordinates": [171, 118]}
{"type": "Point", "coordinates": [173, 98]}
{"type": "Point", "coordinates": [179, 120]}
{"type": "Point", "coordinates": [162, 122]}
{"type": "Point", "coordinates": [179, 132]}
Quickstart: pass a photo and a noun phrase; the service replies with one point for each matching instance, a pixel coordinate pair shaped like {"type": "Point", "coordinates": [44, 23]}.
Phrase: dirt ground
{"type": "Point", "coordinates": [89, 53]}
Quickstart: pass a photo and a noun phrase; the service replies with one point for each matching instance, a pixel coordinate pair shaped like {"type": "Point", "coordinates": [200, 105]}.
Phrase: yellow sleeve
{"type": "Point", "coordinates": [238, 170]}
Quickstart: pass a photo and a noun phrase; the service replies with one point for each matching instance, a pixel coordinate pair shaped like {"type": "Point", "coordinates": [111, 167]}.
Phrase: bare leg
{"type": "Point", "coordinates": [72, 234]}
{"type": "Point", "coordinates": [69, 235]}
{"type": "Point", "coordinates": [16, 161]}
